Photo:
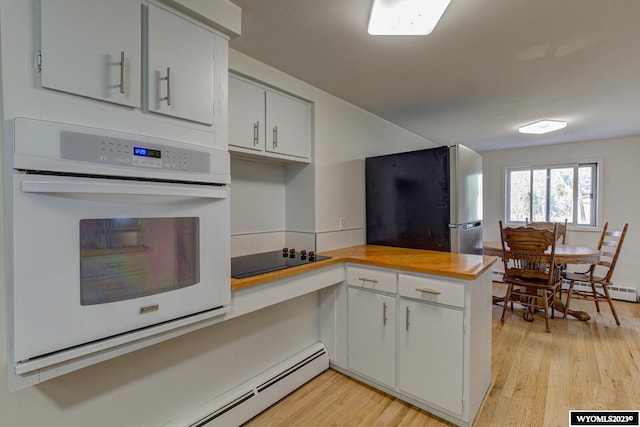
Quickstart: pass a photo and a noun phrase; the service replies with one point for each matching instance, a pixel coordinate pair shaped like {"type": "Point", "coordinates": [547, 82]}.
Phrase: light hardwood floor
{"type": "Point", "coordinates": [537, 377]}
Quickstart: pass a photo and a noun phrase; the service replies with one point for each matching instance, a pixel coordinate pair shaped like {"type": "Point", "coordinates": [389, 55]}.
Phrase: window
{"type": "Point", "coordinates": [553, 193]}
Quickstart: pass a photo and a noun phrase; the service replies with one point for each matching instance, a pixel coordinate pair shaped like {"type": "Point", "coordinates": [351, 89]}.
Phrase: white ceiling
{"type": "Point", "coordinates": [489, 66]}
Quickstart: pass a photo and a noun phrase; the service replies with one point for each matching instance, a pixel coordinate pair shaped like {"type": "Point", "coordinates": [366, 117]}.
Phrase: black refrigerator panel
{"type": "Point", "coordinates": [407, 199]}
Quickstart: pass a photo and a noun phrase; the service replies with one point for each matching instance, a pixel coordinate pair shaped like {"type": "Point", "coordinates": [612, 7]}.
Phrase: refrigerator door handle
{"type": "Point", "coordinates": [466, 238]}
{"type": "Point", "coordinates": [466, 226]}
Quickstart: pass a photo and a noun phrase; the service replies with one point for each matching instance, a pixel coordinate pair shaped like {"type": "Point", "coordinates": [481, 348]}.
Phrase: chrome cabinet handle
{"type": "Point", "coordinates": [256, 132]}
{"type": "Point", "coordinates": [429, 291]}
{"type": "Point", "coordinates": [406, 320]}
{"type": "Point", "coordinates": [384, 314]}
{"type": "Point", "coordinates": [169, 98]}
{"type": "Point", "coordinates": [364, 279]}
{"type": "Point", "coordinates": [275, 137]}
{"type": "Point", "coordinates": [122, 71]}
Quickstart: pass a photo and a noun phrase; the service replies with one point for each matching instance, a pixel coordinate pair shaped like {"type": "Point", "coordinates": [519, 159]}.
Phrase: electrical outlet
{"type": "Point", "coordinates": [343, 223]}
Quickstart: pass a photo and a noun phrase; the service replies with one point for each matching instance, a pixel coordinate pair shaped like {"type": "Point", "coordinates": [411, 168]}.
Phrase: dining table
{"type": "Point", "coordinates": [565, 254]}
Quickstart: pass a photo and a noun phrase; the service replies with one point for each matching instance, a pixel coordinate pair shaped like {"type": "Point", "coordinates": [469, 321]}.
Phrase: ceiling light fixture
{"type": "Point", "coordinates": [405, 17]}
{"type": "Point", "coordinates": [543, 126]}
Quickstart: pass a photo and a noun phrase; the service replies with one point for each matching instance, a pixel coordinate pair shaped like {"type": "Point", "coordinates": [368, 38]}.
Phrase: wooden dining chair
{"type": "Point", "coordinates": [530, 270]}
{"type": "Point", "coordinates": [599, 275]}
{"type": "Point", "coordinates": [562, 227]}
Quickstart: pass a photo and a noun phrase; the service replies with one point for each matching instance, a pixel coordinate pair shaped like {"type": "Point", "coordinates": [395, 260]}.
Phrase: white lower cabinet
{"type": "Point", "coordinates": [372, 335]}
{"type": "Point", "coordinates": [430, 343]}
{"type": "Point", "coordinates": [422, 338]}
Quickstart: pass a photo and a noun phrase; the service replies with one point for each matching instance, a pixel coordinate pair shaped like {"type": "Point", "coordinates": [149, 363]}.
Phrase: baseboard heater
{"type": "Point", "coordinates": [254, 396]}
{"type": "Point", "coordinates": [616, 292]}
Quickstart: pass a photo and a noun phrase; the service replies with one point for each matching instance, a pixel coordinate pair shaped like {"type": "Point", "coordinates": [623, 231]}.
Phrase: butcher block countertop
{"type": "Point", "coordinates": [457, 266]}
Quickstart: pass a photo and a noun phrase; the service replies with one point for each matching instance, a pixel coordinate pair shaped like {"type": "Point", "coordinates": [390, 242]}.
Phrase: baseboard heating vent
{"type": "Point", "coordinates": [254, 396]}
{"type": "Point", "coordinates": [616, 292]}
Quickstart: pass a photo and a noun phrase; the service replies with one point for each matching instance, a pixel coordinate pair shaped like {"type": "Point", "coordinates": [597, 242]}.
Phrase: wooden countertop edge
{"type": "Point", "coordinates": [281, 274]}
{"type": "Point", "coordinates": [464, 275]}
{"type": "Point", "coordinates": [487, 262]}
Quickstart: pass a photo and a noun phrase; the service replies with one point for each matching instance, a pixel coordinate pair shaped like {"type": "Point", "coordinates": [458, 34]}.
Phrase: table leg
{"type": "Point", "coordinates": [558, 305]}
{"type": "Point", "coordinates": [580, 315]}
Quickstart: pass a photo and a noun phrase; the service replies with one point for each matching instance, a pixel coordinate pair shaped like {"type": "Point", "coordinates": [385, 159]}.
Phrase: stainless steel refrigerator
{"type": "Point", "coordinates": [426, 199]}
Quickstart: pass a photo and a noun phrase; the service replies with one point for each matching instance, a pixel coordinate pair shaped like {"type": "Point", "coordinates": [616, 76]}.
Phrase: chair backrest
{"type": "Point", "coordinates": [609, 246]}
{"type": "Point", "coordinates": [529, 253]}
{"type": "Point", "coordinates": [562, 227]}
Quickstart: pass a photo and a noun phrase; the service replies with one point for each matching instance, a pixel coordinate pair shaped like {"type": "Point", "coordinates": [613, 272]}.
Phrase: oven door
{"type": "Point", "coordinates": [94, 258]}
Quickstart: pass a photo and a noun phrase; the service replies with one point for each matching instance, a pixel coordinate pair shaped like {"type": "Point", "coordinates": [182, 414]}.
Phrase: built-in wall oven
{"type": "Point", "coordinates": [111, 233]}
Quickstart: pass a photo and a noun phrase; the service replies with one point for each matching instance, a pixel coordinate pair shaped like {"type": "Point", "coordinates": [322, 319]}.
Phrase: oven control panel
{"type": "Point", "coordinates": [120, 152]}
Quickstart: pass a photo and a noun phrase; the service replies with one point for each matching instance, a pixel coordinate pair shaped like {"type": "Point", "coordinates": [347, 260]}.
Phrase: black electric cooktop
{"type": "Point", "coordinates": [252, 265]}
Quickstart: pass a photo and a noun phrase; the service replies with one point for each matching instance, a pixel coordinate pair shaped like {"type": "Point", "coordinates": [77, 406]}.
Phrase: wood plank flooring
{"type": "Point", "coordinates": [537, 377]}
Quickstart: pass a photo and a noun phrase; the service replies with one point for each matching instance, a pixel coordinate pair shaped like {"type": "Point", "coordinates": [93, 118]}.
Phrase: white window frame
{"type": "Point", "coordinates": [596, 210]}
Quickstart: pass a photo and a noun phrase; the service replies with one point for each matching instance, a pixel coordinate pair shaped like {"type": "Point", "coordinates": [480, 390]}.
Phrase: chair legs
{"type": "Point", "coordinates": [595, 298]}
{"type": "Point", "coordinates": [548, 297]}
{"type": "Point", "coordinates": [613, 310]}
{"type": "Point", "coordinates": [566, 304]}
{"type": "Point", "coordinates": [506, 302]}
{"type": "Point", "coordinates": [545, 297]}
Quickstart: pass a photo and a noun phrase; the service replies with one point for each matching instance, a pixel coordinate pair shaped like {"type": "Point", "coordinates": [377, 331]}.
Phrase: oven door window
{"type": "Point", "coordinates": [125, 258]}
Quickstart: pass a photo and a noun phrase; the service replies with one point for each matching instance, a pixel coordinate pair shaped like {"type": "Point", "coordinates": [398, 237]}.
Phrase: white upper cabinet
{"type": "Point", "coordinates": [97, 56]}
{"type": "Point", "coordinates": [267, 123]}
{"type": "Point", "coordinates": [246, 115]}
{"type": "Point", "coordinates": [288, 125]}
{"type": "Point", "coordinates": [181, 70]}
{"type": "Point", "coordinates": [141, 54]}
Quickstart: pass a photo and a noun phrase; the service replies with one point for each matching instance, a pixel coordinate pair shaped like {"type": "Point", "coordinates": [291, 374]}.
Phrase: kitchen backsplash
{"type": "Point", "coordinates": [246, 244]}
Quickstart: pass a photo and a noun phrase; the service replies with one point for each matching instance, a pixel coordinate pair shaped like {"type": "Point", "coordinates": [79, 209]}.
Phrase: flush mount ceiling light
{"type": "Point", "coordinates": [543, 126]}
{"type": "Point", "coordinates": [405, 17]}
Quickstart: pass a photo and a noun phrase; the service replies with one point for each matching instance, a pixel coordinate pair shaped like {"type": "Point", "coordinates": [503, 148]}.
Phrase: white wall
{"type": "Point", "coordinates": [157, 384]}
{"type": "Point", "coordinates": [344, 135]}
{"type": "Point", "coordinates": [152, 386]}
{"type": "Point", "coordinates": [619, 173]}
{"type": "Point", "coordinates": [24, 97]}
{"type": "Point", "coordinates": [257, 197]}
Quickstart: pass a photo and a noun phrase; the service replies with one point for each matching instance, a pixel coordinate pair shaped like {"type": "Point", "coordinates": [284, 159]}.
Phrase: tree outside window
{"type": "Point", "coordinates": [552, 193]}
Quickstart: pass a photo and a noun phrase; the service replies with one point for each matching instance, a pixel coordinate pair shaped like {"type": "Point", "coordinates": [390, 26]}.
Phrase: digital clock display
{"type": "Point", "coordinates": [147, 152]}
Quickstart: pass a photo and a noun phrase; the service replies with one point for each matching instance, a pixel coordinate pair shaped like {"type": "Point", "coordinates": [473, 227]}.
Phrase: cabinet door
{"type": "Point", "coordinates": [372, 335]}
{"type": "Point", "coordinates": [180, 67]}
{"type": "Point", "coordinates": [288, 125]}
{"type": "Point", "coordinates": [430, 353]}
{"type": "Point", "coordinates": [92, 48]}
{"type": "Point", "coordinates": [246, 115]}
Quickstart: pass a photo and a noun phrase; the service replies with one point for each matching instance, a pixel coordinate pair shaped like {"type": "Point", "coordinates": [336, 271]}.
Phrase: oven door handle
{"type": "Point", "coordinates": [122, 189]}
